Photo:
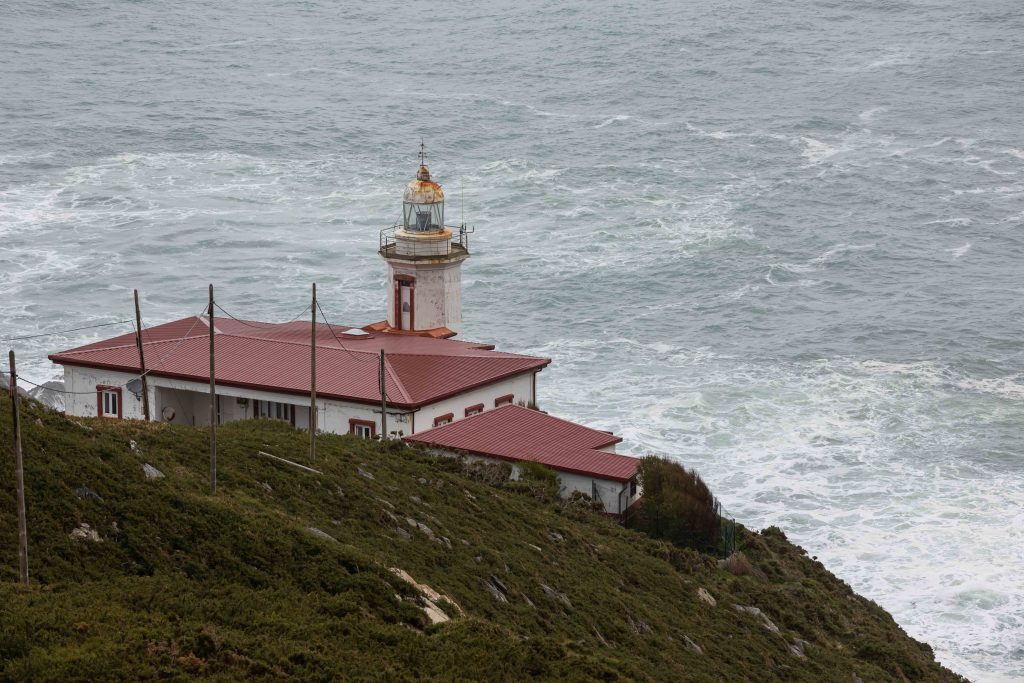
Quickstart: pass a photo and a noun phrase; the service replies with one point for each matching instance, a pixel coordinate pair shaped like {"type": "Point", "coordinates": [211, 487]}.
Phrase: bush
{"type": "Point", "coordinates": [677, 505]}
{"type": "Point", "coordinates": [537, 481]}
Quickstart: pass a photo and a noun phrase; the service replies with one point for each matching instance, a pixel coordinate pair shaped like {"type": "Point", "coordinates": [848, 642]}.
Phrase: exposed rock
{"type": "Point", "coordinates": [692, 646]}
{"type": "Point", "coordinates": [555, 536]}
{"type": "Point", "coordinates": [703, 594]}
{"type": "Point", "coordinates": [386, 502]}
{"type": "Point", "coordinates": [469, 495]}
{"type": "Point", "coordinates": [422, 482]}
{"type": "Point", "coordinates": [638, 625]}
{"type": "Point", "coordinates": [430, 598]}
{"type": "Point", "coordinates": [765, 621]}
{"type": "Point", "coordinates": [799, 648]}
{"type": "Point", "coordinates": [497, 588]}
{"type": "Point", "coordinates": [428, 532]}
{"type": "Point", "coordinates": [84, 492]}
{"type": "Point", "coordinates": [364, 473]}
{"type": "Point", "coordinates": [322, 534]}
{"type": "Point", "coordinates": [151, 472]}
{"type": "Point", "coordinates": [557, 595]}
{"type": "Point", "coordinates": [50, 394]}
{"type": "Point", "coordinates": [536, 547]}
{"type": "Point", "coordinates": [136, 451]}
{"type": "Point", "coordinates": [601, 637]}
{"type": "Point", "coordinates": [339, 492]}
{"type": "Point", "coordinates": [84, 532]}
{"type": "Point", "coordinates": [266, 487]}
{"type": "Point", "coordinates": [403, 533]}
{"type": "Point", "coordinates": [737, 564]}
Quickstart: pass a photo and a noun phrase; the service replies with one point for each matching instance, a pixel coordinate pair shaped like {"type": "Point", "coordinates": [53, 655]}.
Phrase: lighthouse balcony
{"type": "Point", "coordinates": [398, 243]}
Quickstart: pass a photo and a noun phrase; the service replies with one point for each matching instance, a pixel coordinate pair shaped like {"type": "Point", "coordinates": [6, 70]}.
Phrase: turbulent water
{"type": "Point", "coordinates": [781, 242]}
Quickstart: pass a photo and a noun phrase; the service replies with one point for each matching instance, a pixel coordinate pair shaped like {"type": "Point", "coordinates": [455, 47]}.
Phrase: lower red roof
{"type": "Point", "coordinates": [516, 433]}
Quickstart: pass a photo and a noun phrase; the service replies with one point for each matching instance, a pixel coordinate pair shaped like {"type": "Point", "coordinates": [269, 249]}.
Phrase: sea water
{"type": "Point", "coordinates": [780, 242]}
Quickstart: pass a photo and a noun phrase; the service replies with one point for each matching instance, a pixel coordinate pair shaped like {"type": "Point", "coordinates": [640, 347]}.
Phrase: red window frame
{"type": "Point", "coordinates": [505, 400]}
{"type": "Point", "coordinates": [443, 419]}
{"type": "Point", "coordinates": [363, 423]}
{"type": "Point", "coordinates": [100, 389]}
{"type": "Point", "coordinates": [475, 410]}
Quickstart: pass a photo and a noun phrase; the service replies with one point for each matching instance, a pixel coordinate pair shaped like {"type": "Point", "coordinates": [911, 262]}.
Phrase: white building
{"type": "Point", "coordinates": [263, 370]}
{"type": "Point", "coordinates": [583, 458]}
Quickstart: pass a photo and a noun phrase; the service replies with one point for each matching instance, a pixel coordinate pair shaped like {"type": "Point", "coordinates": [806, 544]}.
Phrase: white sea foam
{"type": "Point", "coordinates": [957, 252]}
{"type": "Point", "coordinates": [870, 114]}
{"type": "Point", "coordinates": [817, 151]}
{"type": "Point", "coordinates": [614, 119]}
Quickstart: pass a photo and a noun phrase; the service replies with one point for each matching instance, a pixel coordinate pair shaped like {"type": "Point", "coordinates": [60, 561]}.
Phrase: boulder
{"type": "Point", "coordinates": [703, 594]}
{"type": "Point", "coordinates": [86, 493]}
{"type": "Point", "coordinates": [692, 646]}
{"type": "Point", "coordinates": [322, 534]}
{"type": "Point", "coordinates": [151, 472]}
{"type": "Point", "coordinates": [85, 532]}
{"type": "Point", "coordinates": [765, 621]}
{"type": "Point", "coordinates": [50, 394]}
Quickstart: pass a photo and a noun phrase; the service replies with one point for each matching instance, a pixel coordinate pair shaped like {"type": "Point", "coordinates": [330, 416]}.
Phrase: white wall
{"type": "Point", "coordinates": [190, 401]}
{"type": "Point", "coordinates": [520, 385]}
{"type": "Point", "coordinates": [438, 293]}
{"type": "Point", "coordinates": [608, 490]}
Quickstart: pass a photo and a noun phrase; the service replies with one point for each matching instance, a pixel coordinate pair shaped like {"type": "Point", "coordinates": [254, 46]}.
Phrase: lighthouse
{"type": "Point", "coordinates": [424, 258]}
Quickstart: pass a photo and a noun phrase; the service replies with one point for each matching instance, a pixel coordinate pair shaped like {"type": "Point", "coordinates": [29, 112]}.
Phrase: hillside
{"type": "Point", "coordinates": [287, 574]}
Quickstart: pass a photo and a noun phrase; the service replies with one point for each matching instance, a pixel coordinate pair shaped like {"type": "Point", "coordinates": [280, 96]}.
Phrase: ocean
{"type": "Point", "coordinates": [779, 242]}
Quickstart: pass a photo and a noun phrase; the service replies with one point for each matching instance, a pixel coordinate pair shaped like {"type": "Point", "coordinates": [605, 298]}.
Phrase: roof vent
{"type": "Point", "coordinates": [355, 332]}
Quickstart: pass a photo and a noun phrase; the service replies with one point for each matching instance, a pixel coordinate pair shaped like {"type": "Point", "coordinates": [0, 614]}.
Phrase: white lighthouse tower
{"type": "Point", "coordinates": [424, 258]}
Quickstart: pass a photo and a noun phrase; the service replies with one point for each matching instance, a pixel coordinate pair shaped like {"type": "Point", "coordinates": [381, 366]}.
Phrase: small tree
{"type": "Point", "coordinates": [677, 505]}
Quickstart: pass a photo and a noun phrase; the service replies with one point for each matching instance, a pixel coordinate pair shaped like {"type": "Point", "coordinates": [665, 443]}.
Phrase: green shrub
{"type": "Point", "coordinates": [677, 505]}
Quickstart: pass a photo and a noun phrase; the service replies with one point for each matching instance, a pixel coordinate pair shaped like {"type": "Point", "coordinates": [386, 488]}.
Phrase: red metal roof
{"type": "Point", "coordinates": [275, 357]}
{"type": "Point", "coordinates": [516, 433]}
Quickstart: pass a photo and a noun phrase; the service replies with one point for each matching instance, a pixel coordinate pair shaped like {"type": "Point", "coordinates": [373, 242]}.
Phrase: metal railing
{"type": "Point", "coordinates": [428, 249]}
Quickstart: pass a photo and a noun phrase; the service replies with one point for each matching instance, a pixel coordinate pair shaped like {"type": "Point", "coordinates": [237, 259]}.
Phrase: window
{"type": "Point", "coordinates": [475, 410]}
{"type": "Point", "coordinates": [364, 429]}
{"type": "Point", "coordinates": [274, 410]}
{"type": "Point", "coordinates": [108, 401]}
{"type": "Point", "coordinates": [504, 400]}
{"type": "Point", "coordinates": [443, 419]}
{"type": "Point", "coordinates": [632, 487]}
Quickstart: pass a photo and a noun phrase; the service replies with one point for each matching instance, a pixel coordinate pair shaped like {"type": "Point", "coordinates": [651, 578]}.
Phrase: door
{"type": "Point", "coordinates": [405, 303]}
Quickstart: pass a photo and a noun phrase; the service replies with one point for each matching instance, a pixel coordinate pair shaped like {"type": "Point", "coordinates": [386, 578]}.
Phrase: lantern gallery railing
{"type": "Point", "coordinates": [416, 249]}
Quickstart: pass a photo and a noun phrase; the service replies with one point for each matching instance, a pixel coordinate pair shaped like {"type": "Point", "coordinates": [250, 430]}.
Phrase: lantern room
{"type": "Point", "coordinates": [423, 204]}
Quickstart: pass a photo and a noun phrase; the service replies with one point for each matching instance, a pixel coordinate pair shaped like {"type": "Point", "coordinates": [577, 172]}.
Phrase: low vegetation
{"type": "Point", "coordinates": [387, 564]}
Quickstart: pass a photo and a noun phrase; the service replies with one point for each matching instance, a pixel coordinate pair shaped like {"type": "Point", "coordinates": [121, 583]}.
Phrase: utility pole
{"type": "Point", "coordinates": [142, 358]}
{"type": "Point", "coordinates": [19, 472]}
{"type": "Point", "coordinates": [213, 406]}
{"type": "Point", "coordinates": [312, 384]}
{"type": "Point", "coordinates": [383, 399]}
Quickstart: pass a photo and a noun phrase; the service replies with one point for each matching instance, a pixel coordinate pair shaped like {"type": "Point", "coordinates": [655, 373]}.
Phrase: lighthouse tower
{"type": "Point", "coordinates": [424, 258]}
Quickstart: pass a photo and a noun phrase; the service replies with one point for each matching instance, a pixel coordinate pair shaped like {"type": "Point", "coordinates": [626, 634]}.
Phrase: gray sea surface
{"type": "Point", "coordinates": [781, 242]}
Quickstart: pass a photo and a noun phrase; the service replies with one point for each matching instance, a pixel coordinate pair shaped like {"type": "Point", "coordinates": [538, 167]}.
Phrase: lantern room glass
{"type": "Point", "coordinates": [423, 217]}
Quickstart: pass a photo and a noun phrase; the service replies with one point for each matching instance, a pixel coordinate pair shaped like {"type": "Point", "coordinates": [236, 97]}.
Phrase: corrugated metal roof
{"type": "Point", "coordinates": [517, 433]}
{"type": "Point", "coordinates": [275, 357]}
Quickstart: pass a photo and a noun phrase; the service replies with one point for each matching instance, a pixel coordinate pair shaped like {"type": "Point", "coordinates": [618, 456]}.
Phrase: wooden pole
{"type": "Point", "coordinates": [213, 406]}
{"type": "Point", "coordinates": [383, 399]}
{"type": "Point", "coordinates": [19, 473]}
{"type": "Point", "coordinates": [142, 358]}
{"type": "Point", "coordinates": [312, 384]}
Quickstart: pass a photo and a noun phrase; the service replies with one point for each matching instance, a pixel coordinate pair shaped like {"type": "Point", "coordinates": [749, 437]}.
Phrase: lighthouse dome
{"type": "Point", "coordinates": [423, 204]}
{"type": "Point", "coordinates": [422, 189]}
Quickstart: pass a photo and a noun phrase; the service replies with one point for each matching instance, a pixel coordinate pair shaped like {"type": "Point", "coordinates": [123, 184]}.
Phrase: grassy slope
{"type": "Point", "coordinates": [235, 586]}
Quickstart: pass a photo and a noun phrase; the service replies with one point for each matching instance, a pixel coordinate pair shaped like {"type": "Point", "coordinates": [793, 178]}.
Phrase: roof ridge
{"type": "Point", "coordinates": [396, 379]}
